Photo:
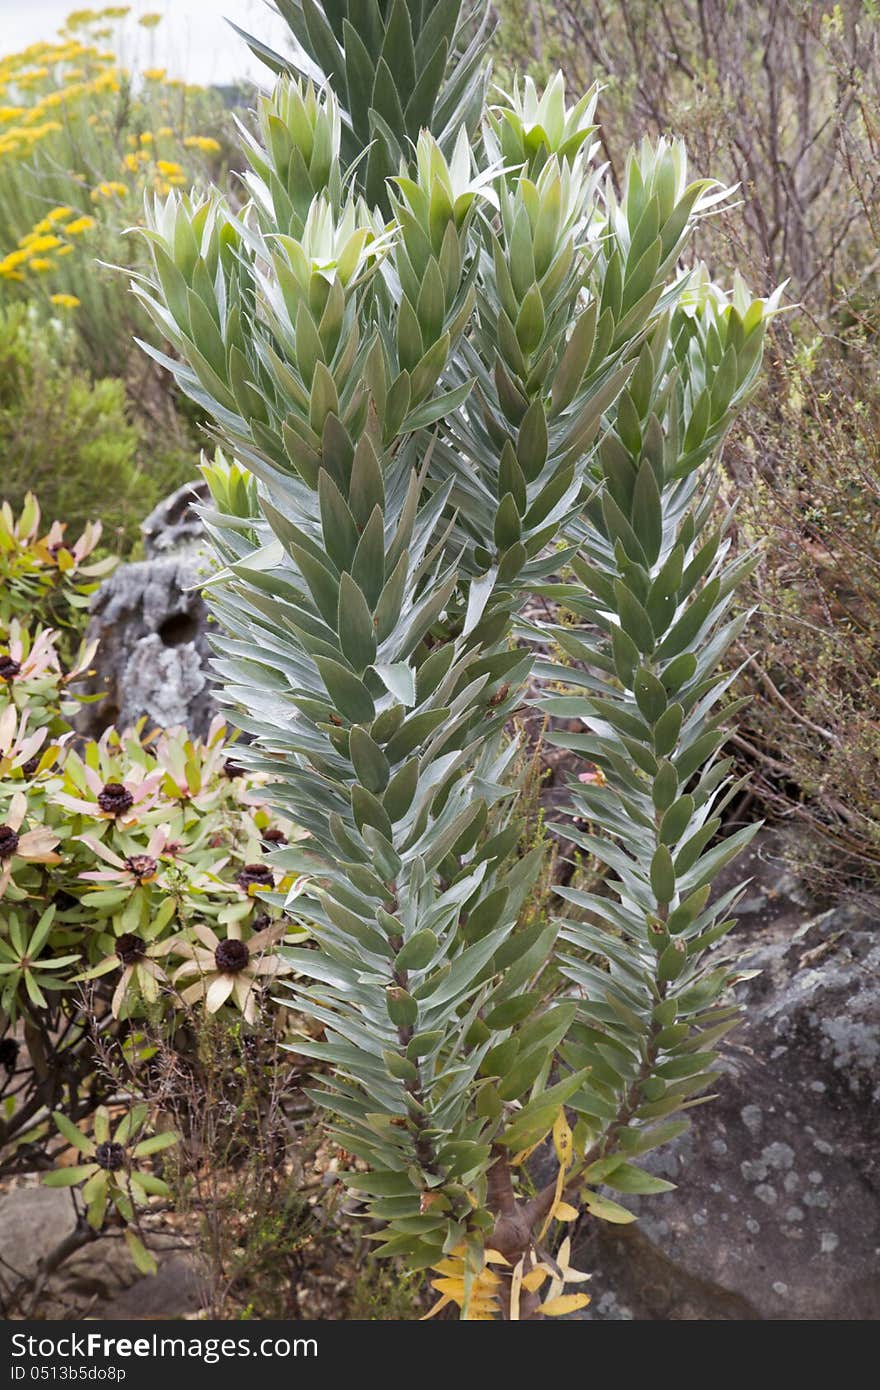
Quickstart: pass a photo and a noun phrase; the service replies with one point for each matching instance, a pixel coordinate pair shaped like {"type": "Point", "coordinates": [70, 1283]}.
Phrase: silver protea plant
{"type": "Point", "coordinates": [450, 369]}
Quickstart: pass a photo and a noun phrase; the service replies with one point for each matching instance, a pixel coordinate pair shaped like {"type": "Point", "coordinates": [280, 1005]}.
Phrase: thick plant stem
{"type": "Point", "coordinates": [513, 1233]}
{"type": "Point", "coordinates": [517, 1222]}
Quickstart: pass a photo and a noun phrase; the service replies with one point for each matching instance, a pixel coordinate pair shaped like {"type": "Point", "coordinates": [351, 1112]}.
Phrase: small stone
{"type": "Point", "coordinates": [778, 1155]}
{"type": "Point", "coordinates": [753, 1170]}
{"type": "Point", "coordinates": [816, 1199]}
{"type": "Point", "coordinates": [150, 623]}
{"type": "Point", "coordinates": [751, 1118]}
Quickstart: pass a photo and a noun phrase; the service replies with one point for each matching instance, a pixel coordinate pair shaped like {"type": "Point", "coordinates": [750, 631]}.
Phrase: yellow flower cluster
{"type": "Point", "coordinates": [20, 139]}
{"type": "Point", "coordinates": [112, 188]}
{"type": "Point", "coordinates": [38, 73]}
{"type": "Point", "coordinates": [47, 236]}
{"type": "Point", "coordinates": [77, 19]}
{"type": "Point", "coordinates": [36, 244]}
{"type": "Point", "coordinates": [202, 142]}
{"type": "Point", "coordinates": [57, 92]}
{"type": "Point", "coordinates": [170, 171]}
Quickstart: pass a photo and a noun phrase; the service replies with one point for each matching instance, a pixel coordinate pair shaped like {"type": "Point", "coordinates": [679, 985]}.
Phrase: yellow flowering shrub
{"type": "Point", "coordinates": [82, 139]}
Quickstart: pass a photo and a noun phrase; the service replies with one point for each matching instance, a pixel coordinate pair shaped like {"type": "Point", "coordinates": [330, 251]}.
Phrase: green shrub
{"type": "Point", "coordinates": [429, 407]}
{"type": "Point", "coordinates": [84, 421]}
{"type": "Point", "coordinates": [111, 1176]}
{"type": "Point", "coordinates": [232, 1094]}
{"type": "Point", "coordinates": [140, 917]}
{"type": "Point", "coordinates": [811, 733]}
{"type": "Point", "coordinates": [83, 141]}
{"type": "Point", "coordinates": [128, 866]}
{"type": "Point", "coordinates": [382, 1294]}
{"type": "Point", "coordinates": [47, 580]}
{"type": "Point", "coordinates": [784, 99]}
{"type": "Point", "coordinates": [76, 441]}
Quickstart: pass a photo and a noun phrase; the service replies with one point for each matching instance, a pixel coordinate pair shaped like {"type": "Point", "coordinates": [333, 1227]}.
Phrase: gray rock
{"type": "Point", "coordinates": [33, 1221]}
{"type": "Point", "coordinates": [171, 1292]}
{"type": "Point", "coordinates": [99, 1279]}
{"type": "Point", "coordinates": [89, 1279]}
{"type": "Point", "coordinates": [150, 624]}
{"type": "Point", "coordinates": [174, 525]}
{"type": "Point", "coordinates": [775, 1215]}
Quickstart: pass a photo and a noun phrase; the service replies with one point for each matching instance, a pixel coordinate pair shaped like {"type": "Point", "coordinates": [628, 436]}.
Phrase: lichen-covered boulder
{"type": "Point", "coordinates": [775, 1215]}
{"type": "Point", "coordinates": [150, 624]}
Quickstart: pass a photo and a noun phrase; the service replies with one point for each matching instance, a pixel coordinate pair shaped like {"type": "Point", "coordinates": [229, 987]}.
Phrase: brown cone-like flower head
{"type": "Point", "coordinates": [231, 956]}
{"type": "Point", "coordinates": [141, 866]}
{"type": "Point", "coordinates": [255, 873]}
{"type": "Point", "coordinates": [130, 948]}
{"type": "Point", "coordinates": [110, 1155]}
{"type": "Point", "coordinates": [115, 799]}
{"type": "Point", "coordinates": [8, 841]}
{"type": "Point", "coordinates": [272, 838]}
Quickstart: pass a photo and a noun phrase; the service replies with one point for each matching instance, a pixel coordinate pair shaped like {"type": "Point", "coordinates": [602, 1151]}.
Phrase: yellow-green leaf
{"type": "Point", "coordinates": [565, 1303]}
{"type": "Point", "coordinates": [562, 1139]}
{"type": "Point", "coordinates": [606, 1210]}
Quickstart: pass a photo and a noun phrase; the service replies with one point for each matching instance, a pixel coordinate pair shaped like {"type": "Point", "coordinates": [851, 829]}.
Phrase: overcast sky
{"type": "Point", "coordinates": [193, 41]}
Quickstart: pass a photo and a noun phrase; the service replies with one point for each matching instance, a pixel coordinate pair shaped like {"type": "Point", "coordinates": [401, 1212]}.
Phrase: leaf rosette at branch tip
{"type": "Point", "coordinates": [110, 1173]}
